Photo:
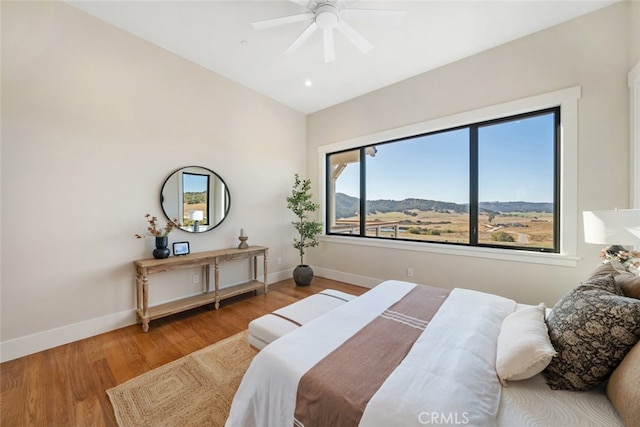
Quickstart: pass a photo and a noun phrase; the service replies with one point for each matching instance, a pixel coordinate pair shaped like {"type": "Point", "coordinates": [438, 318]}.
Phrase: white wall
{"type": "Point", "coordinates": [634, 33]}
{"type": "Point", "coordinates": [93, 121]}
{"type": "Point", "coordinates": [590, 52]}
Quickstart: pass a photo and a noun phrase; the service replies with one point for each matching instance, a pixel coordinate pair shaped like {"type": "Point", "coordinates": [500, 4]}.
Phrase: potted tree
{"type": "Point", "coordinates": [300, 203]}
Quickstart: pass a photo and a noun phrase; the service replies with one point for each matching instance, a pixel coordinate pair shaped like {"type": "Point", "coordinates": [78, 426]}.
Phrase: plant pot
{"type": "Point", "coordinates": [302, 275]}
{"type": "Point", "coordinates": [161, 251]}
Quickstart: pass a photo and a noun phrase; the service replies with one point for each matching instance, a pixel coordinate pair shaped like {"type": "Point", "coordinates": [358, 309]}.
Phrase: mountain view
{"type": "Point", "coordinates": [348, 206]}
{"type": "Point", "coordinates": [519, 223]}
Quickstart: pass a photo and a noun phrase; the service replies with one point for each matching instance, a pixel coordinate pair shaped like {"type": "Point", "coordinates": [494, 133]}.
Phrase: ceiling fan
{"type": "Point", "coordinates": [329, 15]}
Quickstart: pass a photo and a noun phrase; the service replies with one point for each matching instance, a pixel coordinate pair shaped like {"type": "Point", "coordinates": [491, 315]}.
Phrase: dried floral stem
{"type": "Point", "coordinates": [153, 229]}
{"type": "Point", "coordinates": [628, 259]}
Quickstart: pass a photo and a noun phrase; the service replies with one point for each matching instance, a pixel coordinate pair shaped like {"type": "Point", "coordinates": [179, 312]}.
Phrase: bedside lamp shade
{"type": "Point", "coordinates": [196, 215]}
{"type": "Point", "coordinates": [613, 227]}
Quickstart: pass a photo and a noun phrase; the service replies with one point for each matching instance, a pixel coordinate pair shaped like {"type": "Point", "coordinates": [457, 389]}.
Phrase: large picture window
{"type": "Point", "coordinates": [493, 183]}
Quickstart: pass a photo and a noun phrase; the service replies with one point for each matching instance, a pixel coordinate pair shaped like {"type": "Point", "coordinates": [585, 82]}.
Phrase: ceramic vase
{"type": "Point", "coordinates": [161, 251]}
{"type": "Point", "coordinates": [302, 275]}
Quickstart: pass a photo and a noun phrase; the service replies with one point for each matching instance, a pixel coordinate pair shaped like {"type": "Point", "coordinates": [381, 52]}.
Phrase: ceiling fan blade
{"type": "Point", "coordinates": [276, 22]}
{"type": "Point", "coordinates": [354, 37]}
{"type": "Point", "coordinates": [302, 38]}
{"type": "Point", "coordinates": [329, 46]}
{"type": "Point", "coordinates": [378, 15]}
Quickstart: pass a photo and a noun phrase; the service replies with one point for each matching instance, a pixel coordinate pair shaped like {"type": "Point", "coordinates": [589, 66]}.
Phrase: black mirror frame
{"type": "Point", "coordinates": [215, 174]}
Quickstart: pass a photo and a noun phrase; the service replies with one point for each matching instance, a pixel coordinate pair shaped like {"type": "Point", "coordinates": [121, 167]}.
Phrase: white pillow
{"type": "Point", "coordinates": [524, 347]}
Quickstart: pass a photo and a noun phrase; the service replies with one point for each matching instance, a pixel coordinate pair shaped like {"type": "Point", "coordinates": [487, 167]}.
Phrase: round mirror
{"type": "Point", "coordinates": [197, 197]}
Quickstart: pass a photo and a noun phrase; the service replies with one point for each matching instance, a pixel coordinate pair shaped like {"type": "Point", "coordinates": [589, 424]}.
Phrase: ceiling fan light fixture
{"type": "Point", "coordinates": [327, 16]}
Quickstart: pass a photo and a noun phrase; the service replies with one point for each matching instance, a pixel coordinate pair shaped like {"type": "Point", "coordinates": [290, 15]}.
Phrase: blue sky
{"type": "Point", "coordinates": [515, 164]}
{"type": "Point", "coordinates": [193, 183]}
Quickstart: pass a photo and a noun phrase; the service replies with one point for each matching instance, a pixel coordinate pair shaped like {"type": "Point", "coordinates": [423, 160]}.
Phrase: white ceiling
{"type": "Point", "coordinates": [218, 35]}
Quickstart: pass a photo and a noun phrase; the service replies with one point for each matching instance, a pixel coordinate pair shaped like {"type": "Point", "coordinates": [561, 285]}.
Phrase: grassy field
{"type": "Point", "coordinates": [533, 229]}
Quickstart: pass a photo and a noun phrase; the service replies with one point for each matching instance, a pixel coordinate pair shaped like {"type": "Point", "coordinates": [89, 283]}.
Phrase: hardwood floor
{"type": "Point", "coordinates": [65, 386]}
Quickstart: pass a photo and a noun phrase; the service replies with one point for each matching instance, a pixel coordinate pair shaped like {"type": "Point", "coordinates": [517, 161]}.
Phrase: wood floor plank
{"type": "Point", "coordinates": [36, 387]}
{"type": "Point", "coordinates": [66, 385]}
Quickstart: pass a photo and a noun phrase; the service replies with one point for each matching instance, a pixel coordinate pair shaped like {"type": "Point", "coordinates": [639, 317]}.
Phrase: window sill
{"type": "Point", "coordinates": [562, 260]}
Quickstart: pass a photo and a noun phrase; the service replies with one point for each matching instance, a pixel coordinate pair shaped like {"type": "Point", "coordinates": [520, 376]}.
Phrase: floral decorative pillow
{"type": "Point", "coordinates": [592, 328]}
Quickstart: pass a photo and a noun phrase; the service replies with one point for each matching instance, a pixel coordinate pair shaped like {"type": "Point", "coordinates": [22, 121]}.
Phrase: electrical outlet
{"type": "Point", "coordinates": [409, 272]}
{"type": "Point", "coordinates": [279, 260]}
{"type": "Point", "coordinates": [195, 278]}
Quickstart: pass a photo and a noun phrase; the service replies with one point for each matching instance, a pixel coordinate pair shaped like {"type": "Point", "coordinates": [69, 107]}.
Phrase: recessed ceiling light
{"type": "Point", "coordinates": [244, 42]}
{"type": "Point", "coordinates": [308, 83]}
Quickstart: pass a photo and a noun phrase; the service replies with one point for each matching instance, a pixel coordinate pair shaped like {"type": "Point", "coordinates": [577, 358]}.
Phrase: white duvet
{"type": "Point", "coordinates": [447, 378]}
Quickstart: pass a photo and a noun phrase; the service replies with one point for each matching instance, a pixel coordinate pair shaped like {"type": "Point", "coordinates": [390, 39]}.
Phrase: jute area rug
{"type": "Point", "coordinates": [195, 390]}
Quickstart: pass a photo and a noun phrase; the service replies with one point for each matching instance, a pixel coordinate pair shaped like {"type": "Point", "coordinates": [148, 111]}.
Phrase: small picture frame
{"type": "Point", "coordinates": [180, 248]}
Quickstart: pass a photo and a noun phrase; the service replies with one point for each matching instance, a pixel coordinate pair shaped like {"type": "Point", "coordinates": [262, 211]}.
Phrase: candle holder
{"type": "Point", "coordinates": [243, 242]}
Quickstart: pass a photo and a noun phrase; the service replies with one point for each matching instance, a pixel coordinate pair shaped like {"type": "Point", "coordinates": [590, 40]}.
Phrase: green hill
{"type": "Point", "coordinates": [348, 206]}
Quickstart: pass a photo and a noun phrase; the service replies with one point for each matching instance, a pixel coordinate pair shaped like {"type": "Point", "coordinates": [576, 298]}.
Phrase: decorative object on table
{"type": "Point", "coordinates": [180, 248]}
{"type": "Point", "coordinates": [196, 217]}
{"type": "Point", "coordinates": [161, 251]}
{"type": "Point", "coordinates": [299, 202]}
{"type": "Point", "coordinates": [243, 240]}
{"type": "Point", "coordinates": [615, 228]}
{"type": "Point", "coordinates": [161, 234]}
{"type": "Point", "coordinates": [629, 259]}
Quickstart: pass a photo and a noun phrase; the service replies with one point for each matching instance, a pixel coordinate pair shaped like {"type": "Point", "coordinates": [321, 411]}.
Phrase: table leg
{"type": "Point", "coordinates": [145, 303]}
{"type": "Point", "coordinates": [216, 279]}
{"type": "Point", "coordinates": [139, 293]}
{"type": "Point", "coordinates": [264, 270]}
{"type": "Point", "coordinates": [255, 268]}
{"type": "Point", "coordinates": [207, 271]}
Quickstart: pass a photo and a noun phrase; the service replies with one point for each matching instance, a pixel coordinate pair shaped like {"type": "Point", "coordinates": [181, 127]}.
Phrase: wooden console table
{"type": "Point", "coordinates": [146, 267]}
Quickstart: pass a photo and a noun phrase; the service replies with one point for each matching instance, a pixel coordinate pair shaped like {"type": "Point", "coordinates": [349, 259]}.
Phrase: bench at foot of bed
{"type": "Point", "coordinates": [266, 329]}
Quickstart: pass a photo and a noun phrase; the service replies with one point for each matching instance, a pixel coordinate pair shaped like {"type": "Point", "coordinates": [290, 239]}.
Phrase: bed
{"type": "Point", "coordinates": [404, 354]}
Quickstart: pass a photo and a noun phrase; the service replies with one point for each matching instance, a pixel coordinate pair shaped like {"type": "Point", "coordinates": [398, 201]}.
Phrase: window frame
{"type": "Point", "coordinates": [207, 178]}
{"type": "Point", "coordinates": [567, 150]}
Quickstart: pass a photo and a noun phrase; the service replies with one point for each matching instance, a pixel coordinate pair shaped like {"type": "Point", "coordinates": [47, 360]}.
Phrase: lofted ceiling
{"type": "Point", "coordinates": [218, 35]}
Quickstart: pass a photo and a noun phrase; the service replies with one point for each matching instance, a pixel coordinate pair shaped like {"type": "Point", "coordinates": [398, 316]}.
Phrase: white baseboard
{"type": "Point", "coordinates": [279, 276]}
{"type": "Point", "coordinates": [367, 282]}
{"type": "Point", "coordinates": [29, 344]}
{"type": "Point", "coordinates": [23, 346]}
